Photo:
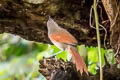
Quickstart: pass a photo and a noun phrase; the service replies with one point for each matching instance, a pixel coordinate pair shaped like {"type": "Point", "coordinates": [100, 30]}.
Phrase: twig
{"type": "Point", "coordinates": [100, 12]}
{"type": "Point", "coordinates": [114, 21]}
{"type": "Point", "coordinates": [98, 39]}
{"type": "Point", "coordinates": [116, 54]}
{"type": "Point", "coordinates": [118, 48]}
{"type": "Point", "coordinates": [105, 34]}
{"type": "Point", "coordinates": [99, 25]}
{"type": "Point", "coordinates": [91, 18]}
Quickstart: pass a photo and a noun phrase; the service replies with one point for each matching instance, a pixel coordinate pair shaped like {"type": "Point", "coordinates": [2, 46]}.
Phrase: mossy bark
{"type": "Point", "coordinates": [29, 20]}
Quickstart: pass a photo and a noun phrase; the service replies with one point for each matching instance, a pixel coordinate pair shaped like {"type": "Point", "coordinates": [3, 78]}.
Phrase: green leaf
{"type": "Point", "coordinates": [93, 58]}
{"type": "Point", "coordinates": [110, 56]}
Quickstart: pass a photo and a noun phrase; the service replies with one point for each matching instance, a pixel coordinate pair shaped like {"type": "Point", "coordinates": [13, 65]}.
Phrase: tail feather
{"type": "Point", "coordinates": [77, 59]}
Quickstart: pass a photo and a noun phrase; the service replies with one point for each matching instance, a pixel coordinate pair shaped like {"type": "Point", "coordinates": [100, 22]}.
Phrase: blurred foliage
{"type": "Point", "coordinates": [34, 1]}
{"type": "Point", "coordinates": [93, 58]}
{"type": "Point", "coordinates": [19, 57]}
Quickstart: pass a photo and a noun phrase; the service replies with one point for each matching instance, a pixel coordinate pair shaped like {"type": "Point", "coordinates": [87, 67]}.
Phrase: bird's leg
{"type": "Point", "coordinates": [71, 60]}
{"type": "Point", "coordinates": [54, 55]}
{"type": "Point", "coordinates": [57, 53]}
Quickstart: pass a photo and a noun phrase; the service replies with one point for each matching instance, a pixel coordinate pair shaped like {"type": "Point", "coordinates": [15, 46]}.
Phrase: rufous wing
{"type": "Point", "coordinates": [63, 37]}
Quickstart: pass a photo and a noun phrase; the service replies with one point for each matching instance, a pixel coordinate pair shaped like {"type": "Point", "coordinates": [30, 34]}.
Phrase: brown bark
{"type": "Point", "coordinates": [54, 69]}
{"type": "Point", "coordinates": [29, 20]}
{"type": "Point", "coordinates": [112, 8]}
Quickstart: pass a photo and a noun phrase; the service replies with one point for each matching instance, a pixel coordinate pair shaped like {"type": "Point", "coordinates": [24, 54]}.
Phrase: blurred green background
{"type": "Point", "coordinates": [19, 58]}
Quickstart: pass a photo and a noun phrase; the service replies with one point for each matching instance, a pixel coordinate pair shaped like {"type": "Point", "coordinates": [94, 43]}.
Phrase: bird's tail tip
{"type": "Point", "coordinates": [77, 59]}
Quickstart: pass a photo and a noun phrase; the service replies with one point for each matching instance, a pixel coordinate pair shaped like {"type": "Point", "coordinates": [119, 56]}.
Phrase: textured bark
{"type": "Point", "coordinates": [54, 69]}
{"type": "Point", "coordinates": [112, 8]}
{"type": "Point", "coordinates": [29, 20]}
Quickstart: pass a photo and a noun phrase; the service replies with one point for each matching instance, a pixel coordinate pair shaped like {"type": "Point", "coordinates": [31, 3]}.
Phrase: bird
{"type": "Point", "coordinates": [64, 40]}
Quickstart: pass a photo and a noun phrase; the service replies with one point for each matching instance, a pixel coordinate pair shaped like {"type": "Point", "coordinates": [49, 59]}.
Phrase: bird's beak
{"type": "Point", "coordinates": [49, 18]}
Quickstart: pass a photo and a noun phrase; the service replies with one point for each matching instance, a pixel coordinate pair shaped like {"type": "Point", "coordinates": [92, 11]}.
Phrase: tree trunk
{"type": "Point", "coordinates": [112, 8]}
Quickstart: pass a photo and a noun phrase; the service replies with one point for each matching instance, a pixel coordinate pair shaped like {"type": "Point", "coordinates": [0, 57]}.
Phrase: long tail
{"type": "Point", "coordinates": [77, 59]}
